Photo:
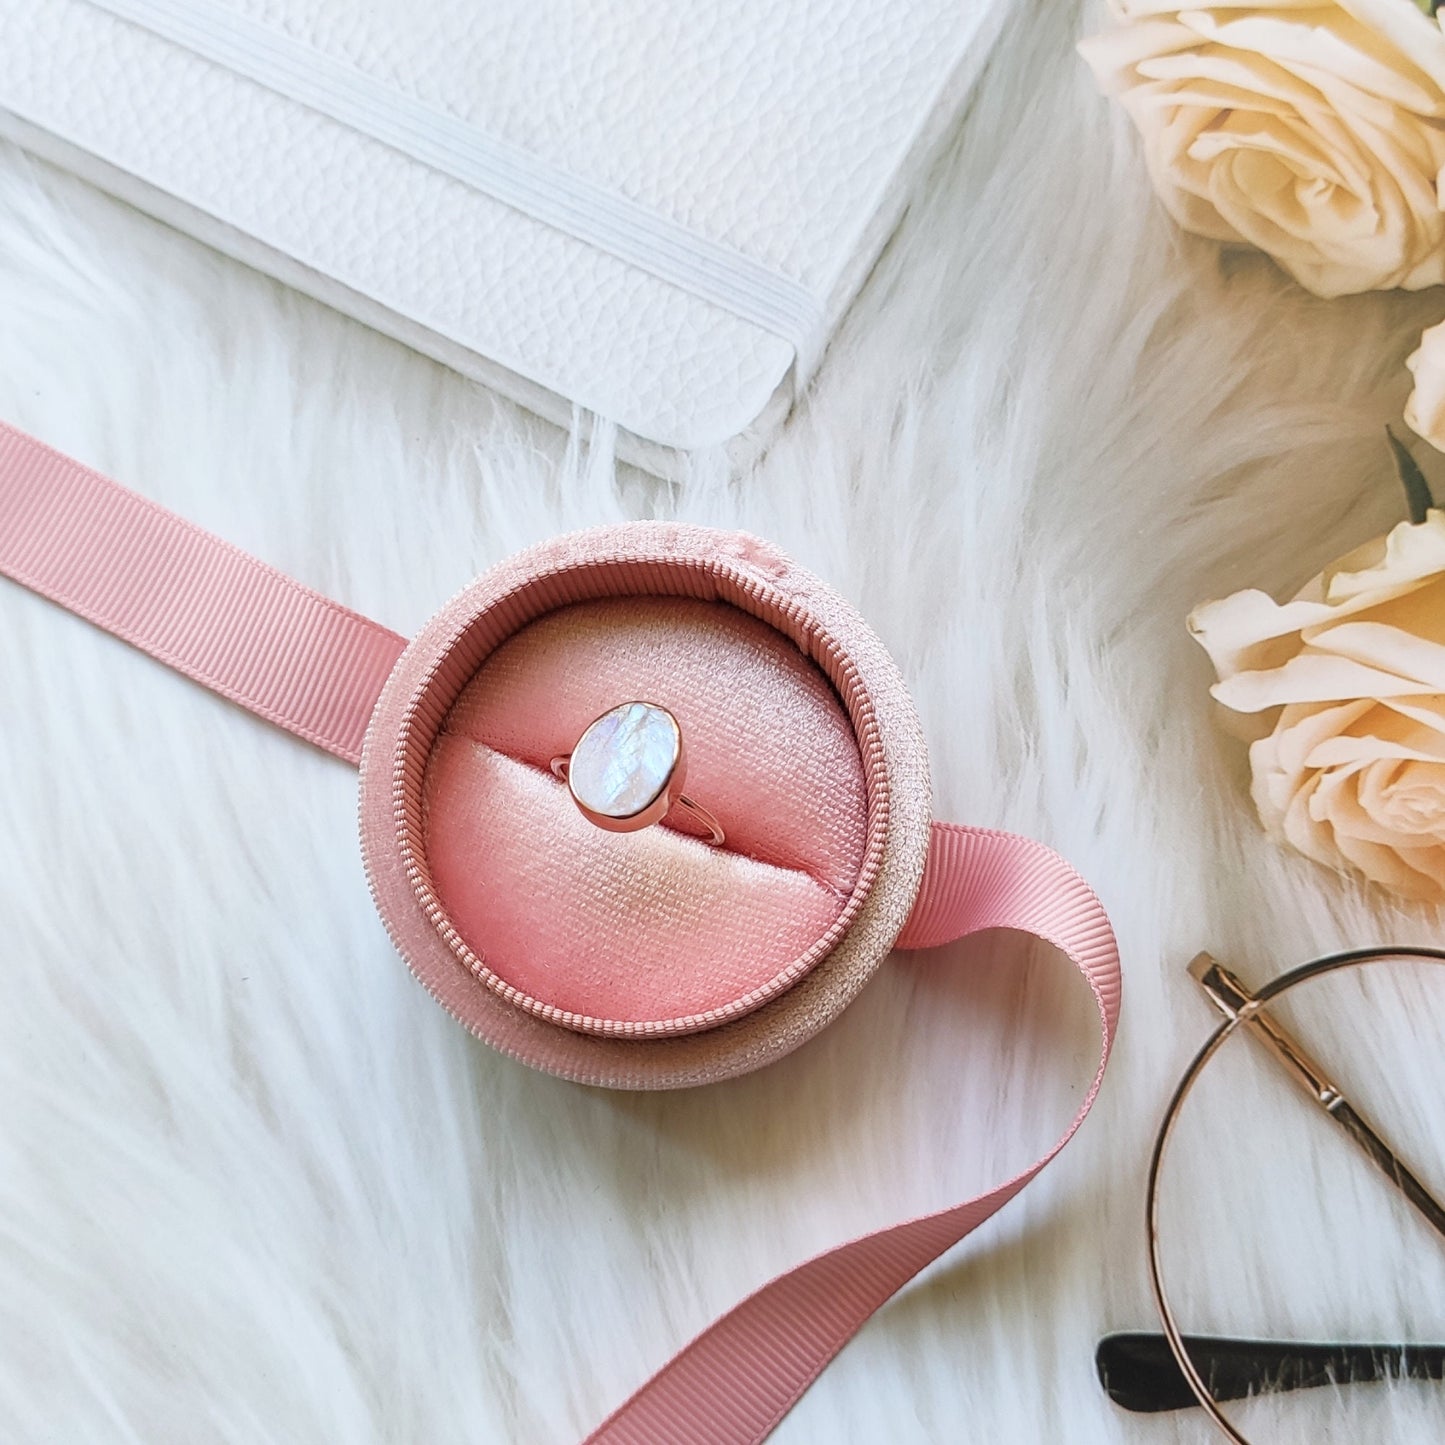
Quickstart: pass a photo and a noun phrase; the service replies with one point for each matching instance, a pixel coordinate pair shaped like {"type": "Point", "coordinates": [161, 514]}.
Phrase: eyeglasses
{"type": "Point", "coordinates": [1174, 1369]}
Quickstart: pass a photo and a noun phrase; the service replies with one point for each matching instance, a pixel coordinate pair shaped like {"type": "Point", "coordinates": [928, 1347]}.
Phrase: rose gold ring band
{"type": "Point", "coordinates": [694, 809]}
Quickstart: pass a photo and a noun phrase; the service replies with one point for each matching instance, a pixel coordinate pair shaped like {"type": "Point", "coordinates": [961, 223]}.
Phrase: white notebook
{"type": "Point", "coordinates": [657, 211]}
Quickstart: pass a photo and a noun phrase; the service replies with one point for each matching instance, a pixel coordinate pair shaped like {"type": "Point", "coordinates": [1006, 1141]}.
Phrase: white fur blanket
{"type": "Point", "coordinates": [256, 1187]}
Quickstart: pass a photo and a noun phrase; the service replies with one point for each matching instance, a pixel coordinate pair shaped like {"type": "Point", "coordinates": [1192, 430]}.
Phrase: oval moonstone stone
{"type": "Point", "coordinates": [625, 759]}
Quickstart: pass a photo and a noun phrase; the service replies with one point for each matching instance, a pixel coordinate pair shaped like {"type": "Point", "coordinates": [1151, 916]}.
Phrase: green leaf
{"type": "Point", "coordinates": [1417, 489]}
{"type": "Point", "coordinates": [1428, 6]}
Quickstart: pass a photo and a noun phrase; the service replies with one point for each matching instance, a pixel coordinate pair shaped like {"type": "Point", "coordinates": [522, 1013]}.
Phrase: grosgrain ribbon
{"type": "Point", "coordinates": [736, 1380]}
{"type": "Point", "coordinates": [187, 597]}
{"type": "Point", "coordinates": [298, 659]}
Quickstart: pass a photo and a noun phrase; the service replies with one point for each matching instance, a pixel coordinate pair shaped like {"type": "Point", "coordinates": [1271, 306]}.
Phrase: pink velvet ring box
{"type": "Point", "coordinates": [648, 959]}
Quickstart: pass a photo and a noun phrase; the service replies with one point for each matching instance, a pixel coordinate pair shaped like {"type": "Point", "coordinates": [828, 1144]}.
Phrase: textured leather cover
{"type": "Point", "coordinates": [657, 212]}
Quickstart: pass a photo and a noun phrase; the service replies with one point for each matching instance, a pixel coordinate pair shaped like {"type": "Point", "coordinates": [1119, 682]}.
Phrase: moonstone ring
{"type": "Point", "coordinates": [627, 770]}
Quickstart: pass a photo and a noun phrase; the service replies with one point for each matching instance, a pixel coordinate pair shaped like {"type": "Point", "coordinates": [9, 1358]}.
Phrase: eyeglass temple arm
{"type": "Point", "coordinates": [1234, 1000]}
{"type": "Point", "coordinates": [1139, 1371]}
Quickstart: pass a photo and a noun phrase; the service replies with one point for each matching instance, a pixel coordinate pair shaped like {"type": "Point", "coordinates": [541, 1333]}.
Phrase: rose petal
{"type": "Point", "coordinates": [1301, 730]}
{"type": "Point", "coordinates": [1425, 410]}
{"type": "Point", "coordinates": [1336, 802]}
{"type": "Point", "coordinates": [1413, 872]}
{"type": "Point", "coordinates": [1259, 647]}
{"type": "Point", "coordinates": [1418, 663]}
{"type": "Point", "coordinates": [1418, 611]}
{"type": "Point", "coordinates": [1428, 713]}
{"type": "Point", "coordinates": [1134, 9]}
{"type": "Point", "coordinates": [1399, 30]}
{"type": "Point", "coordinates": [1115, 55]}
{"type": "Point", "coordinates": [1348, 752]}
{"type": "Point", "coordinates": [1412, 553]}
{"type": "Point", "coordinates": [1341, 50]}
{"type": "Point", "coordinates": [1314, 677]}
{"type": "Point", "coordinates": [1299, 828]}
{"type": "Point", "coordinates": [1250, 631]}
{"type": "Point", "coordinates": [1406, 801]}
{"type": "Point", "coordinates": [1282, 780]}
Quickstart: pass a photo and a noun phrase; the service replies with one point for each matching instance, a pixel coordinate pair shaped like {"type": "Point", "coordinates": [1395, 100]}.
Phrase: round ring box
{"type": "Point", "coordinates": [649, 959]}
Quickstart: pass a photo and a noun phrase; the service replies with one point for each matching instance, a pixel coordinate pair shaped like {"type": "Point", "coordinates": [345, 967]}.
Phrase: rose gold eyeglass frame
{"type": "Point", "coordinates": [1243, 1009]}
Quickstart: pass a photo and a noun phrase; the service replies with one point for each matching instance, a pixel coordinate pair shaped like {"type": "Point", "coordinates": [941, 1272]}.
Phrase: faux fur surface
{"type": "Point", "coordinates": [256, 1187]}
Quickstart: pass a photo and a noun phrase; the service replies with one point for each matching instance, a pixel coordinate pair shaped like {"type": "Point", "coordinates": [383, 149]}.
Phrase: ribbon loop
{"type": "Point", "coordinates": [736, 1380]}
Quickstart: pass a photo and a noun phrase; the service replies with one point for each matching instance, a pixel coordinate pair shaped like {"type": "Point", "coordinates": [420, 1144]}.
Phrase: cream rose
{"type": "Point", "coordinates": [1314, 131]}
{"type": "Point", "coordinates": [1425, 410]}
{"type": "Point", "coordinates": [1352, 675]}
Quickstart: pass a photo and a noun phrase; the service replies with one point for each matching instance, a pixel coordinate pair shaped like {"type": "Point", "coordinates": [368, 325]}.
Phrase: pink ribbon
{"type": "Point", "coordinates": [301, 661]}
{"type": "Point", "coordinates": [736, 1380]}
{"type": "Point", "coordinates": [210, 610]}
